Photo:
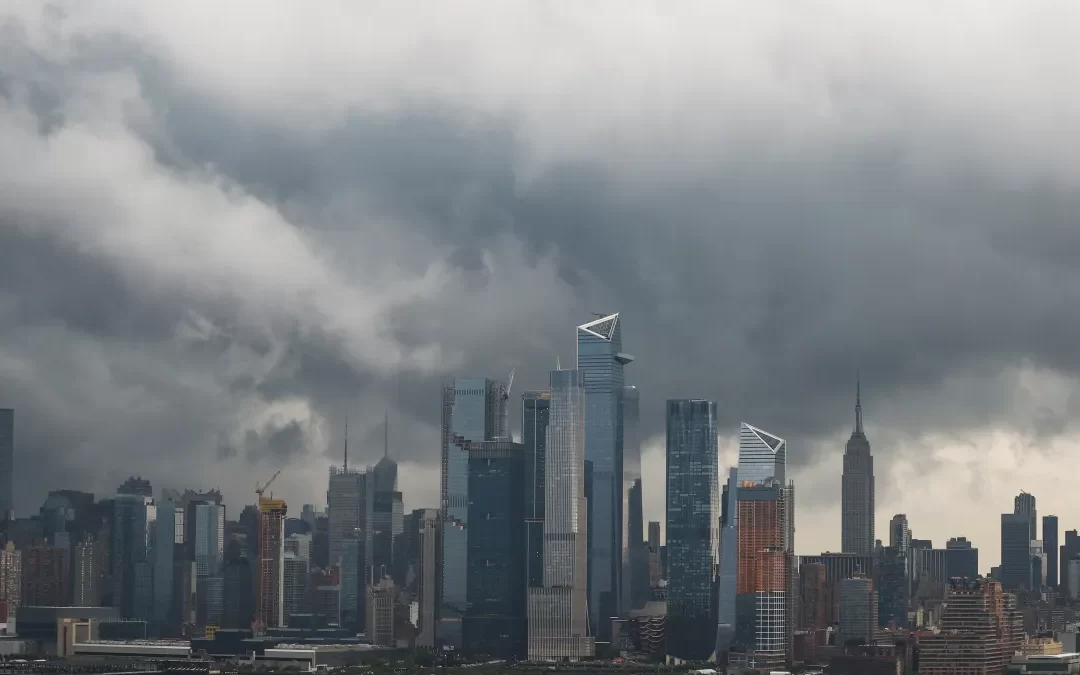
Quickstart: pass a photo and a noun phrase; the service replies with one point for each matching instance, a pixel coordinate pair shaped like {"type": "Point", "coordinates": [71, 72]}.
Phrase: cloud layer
{"type": "Point", "coordinates": [224, 227]}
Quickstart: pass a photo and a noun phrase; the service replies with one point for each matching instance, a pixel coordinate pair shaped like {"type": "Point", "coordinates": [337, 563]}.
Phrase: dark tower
{"type": "Point", "coordinates": [857, 492]}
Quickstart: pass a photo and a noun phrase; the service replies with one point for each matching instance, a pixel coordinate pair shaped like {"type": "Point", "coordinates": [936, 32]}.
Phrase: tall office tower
{"type": "Point", "coordinates": [600, 359]}
{"type": "Point", "coordinates": [1069, 550]}
{"type": "Point", "coordinates": [44, 577]}
{"type": "Point", "coordinates": [429, 539]}
{"type": "Point", "coordinates": [309, 516]}
{"type": "Point", "coordinates": [239, 587]}
{"type": "Point", "coordinates": [209, 547]}
{"type": "Point", "coordinates": [535, 406]}
{"type": "Point", "coordinates": [270, 576]}
{"type": "Point", "coordinates": [473, 409]}
{"type": "Point", "coordinates": [766, 542]}
{"type": "Point", "coordinates": [1024, 504]}
{"type": "Point", "coordinates": [11, 577]}
{"type": "Point", "coordinates": [899, 534]}
{"type": "Point", "coordinates": [294, 591]}
{"type": "Point", "coordinates": [87, 574]}
{"type": "Point", "coordinates": [693, 537]}
{"type": "Point", "coordinates": [654, 553]}
{"type": "Point", "coordinates": [495, 621]}
{"type": "Point", "coordinates": [929, 572]}
{"type": "Point", "coordinates": [857, 489]}
{"type": "Point", "coordinates": [635, 568]}
{"type": "Point", "coordinates": [558, 612]}
{"type": "Point", "coordinates": [345, 499]}
{"type": "Point", "coordinates": [891, 582]}
{"type": "Point", "coordinates": [980, 631]}
{"type": "Point", "coordinates": [320, 543]}
{"type": "Point", "coordinates": [351, 596]}
{"type": "Point", "coordinates": [858, 610]}
{"type": "Point", "coordinates": [728, 578]}
{"type": "Point", "coordinates": [1015, 551]}
{"type": "Point", "coordinates": [134, 516]}
{"type": "Point", "coordinates": [7, 463]}
{"type": "Point", "coordinates": [1050, 546]}
{"type": "Point", "coordinates": [1038, 565]}
{"type": "Point", "coordinates": [300, 545]}
{"type": "Point", "coordinates": [961, 559]}
{"type": "Point", "coordinates": [168, 551]}
{"type": "Point", "coordinates": [385, 515]}
{"type": "Point", "coordinates": [815, 608]}
{"type": "Point", "coordinates": [381, 599]}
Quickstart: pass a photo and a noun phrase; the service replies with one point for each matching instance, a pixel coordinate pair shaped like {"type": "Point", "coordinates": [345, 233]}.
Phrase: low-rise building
{"type": "Point", "coordinates": [1045, 664]}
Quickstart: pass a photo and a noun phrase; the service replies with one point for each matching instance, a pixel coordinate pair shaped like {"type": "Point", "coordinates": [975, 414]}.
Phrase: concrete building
{"type": "Point", "coordinates": [1055, 664]}
{"type": "Point", "coordinates": [980, 631]}
{"type": "Point", "coordinates": [45, 577]}
{"type": "Point", "coordinates": [7, 462]}
{"type": "Point", "coordinates": [858, 610]}
{"type": "Point", "coordinates": [857, 489]}
{"type": "Point", "coordinates": [381, 599]}
{"type": "Point", "coordinates": [270, 573]}
{"type": "Point", "coordinates": [10, 578]}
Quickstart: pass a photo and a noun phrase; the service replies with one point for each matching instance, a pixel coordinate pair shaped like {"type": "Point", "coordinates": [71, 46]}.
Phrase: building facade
{"type": "Point", "coordinates": [857, 490]}
{"type": "Point", "coordinates": [635, 574]}
{"type": "Point", "coordinates": [858, 610]}
{"type": "Point", "coordinates": [693, 537]}
{"type": "Point", "coordinates": [1024, 504]}
{"type": "Point", "coordinates": [270, 573]}
{"type": "Point", "coordinates": [45, 576]}
{"type": "Point", "coordinates": [134, 518]}
{"type": "Point", "coordinates": [209, 546]}
{"type": "Point", "coordinates": [1050, 545]}
{"type": "Point", "coordinates": [1016, 551]}
{"type": "Point", "coordinates": [980, 631]}
{"type": "Point", "coordinates": [7, 462]}
{"type": "Point", "coordinates": [535, 407]}
{"type": "Point", "coordinates": [11, 577]}
{"type": "Point", "coordinates": [473, 409]}
{"type": "Point", "coordinates": [601, 361]}
{"type": "Point", "coordinates": [961, 559]}
{"type": "Point", "coordinates": [558, 626]}
{"type": "Point", "coordinates": [495, 621]}
{"type": "Point", "coordinates": [429, 522]}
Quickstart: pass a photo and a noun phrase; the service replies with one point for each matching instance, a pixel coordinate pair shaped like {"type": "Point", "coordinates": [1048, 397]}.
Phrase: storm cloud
{"type": "Point", "coordinates": [223, 228]}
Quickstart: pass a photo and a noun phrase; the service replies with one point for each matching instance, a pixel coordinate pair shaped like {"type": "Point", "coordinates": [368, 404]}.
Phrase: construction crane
{"type": "Point", "coordinates": [509, 384]}
{"type": "Point", "coordinates": [260, 490]}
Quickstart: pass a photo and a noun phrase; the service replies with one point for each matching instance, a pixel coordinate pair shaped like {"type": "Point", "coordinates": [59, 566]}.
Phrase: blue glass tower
{"type": "Point", "coordinates": [601, 360]}
{"type": "Point", "coordinates": [494, 623]}
{"type": "Point", "coordinates": [535, 409]}
{"type": "Point", "coordinates": [693, 529]}
{"type": "Point", "coordinates": [473, 409]}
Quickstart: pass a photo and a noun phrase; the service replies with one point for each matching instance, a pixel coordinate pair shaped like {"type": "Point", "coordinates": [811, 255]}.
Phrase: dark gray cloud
{"type": "Point", "coordinates": [207, 259]}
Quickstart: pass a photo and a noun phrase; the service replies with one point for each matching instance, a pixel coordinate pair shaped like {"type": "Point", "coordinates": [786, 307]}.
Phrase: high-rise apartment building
{"type": "Point", "coordinates": [270, 573]}
{"type": "Point", "coordinates": [473, 409]}
{"type": "Point", "coordinates": [88, 572]}
{"type": "Point", "coordinates": [45, 577]}
{"type": "Point", "coordinates": [857, 489]}
{"type": "Point", "coordinates": [1015, 551]}
{"type": "Point", "coordinates": [980, 631]}
{"type": "Point", "coordinates": [635, 573]}
{"type": "Point", "coordinates": [7, 462]}
{"type": "Point", "coordinates": [558, 626]}
{"type": "Point", "coordinates": [1024, 503]}
{"type": "Point", "coordinates": [601, 360]}
{"type": "Point", "coordinates": [693, 537]}
{"type": "Point", "coordinates": [858, 610]}
{"type": "Point", "coordinates": [429, 539]}
{"type": "Point", "coordinates": [1050, 546]}
{"type": "Point", "coordinates": [815, 607]}
{"type": "Point", "coordinates": [495, 621]}
{"type": "Point", "coordinates": [535, 407]}
{"type": "Point", "coordinates": [134, 517]}
{"type": "Point", "coordinates": [766, 542]}
{"type": "Point", "coordinates": [11, 577]}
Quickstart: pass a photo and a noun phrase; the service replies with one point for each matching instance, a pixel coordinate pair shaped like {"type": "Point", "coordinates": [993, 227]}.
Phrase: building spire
{"type": "Point", "coordinates": [346, 465]}
{"type": "Point", "coordinates": [858, 403]}
{"type": "Point", "coordinates": [386, 433]}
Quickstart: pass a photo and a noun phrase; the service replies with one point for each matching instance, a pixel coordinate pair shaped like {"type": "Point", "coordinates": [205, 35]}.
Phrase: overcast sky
{"type": "Point", "coordinates": [223, 226]}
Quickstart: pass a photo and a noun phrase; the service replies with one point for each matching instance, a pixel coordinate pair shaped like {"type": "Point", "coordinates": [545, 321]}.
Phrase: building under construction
{"type": "Point", "coordinates": [270, 578]}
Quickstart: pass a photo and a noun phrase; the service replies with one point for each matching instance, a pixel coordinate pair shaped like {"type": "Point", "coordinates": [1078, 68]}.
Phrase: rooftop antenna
{"type": "Point", "coordinates": [346, 466]}
{"type": "Point", "coordinates": [386, 433]}
{"type": "Point", "coordinates": [558, 363]}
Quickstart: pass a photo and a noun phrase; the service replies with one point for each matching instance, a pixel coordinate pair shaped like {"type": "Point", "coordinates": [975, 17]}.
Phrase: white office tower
{"type": "Point", "coordinates": [558, 611]}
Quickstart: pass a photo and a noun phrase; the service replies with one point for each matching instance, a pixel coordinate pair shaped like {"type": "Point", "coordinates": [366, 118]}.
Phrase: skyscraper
{"type": "Point", "coordinates": [473, 409]}
{"type": "Point", "coordinates": [558, 612]}
{"type": "Point", "coordinates": [766, 542]}
{"type": "Point", "coordinates": [858, 610]}
{"type": "Point", "coordinates": [45, 577]}
{"type": "Point", "coordinates": [1024, 503]}
{"type": "Point", "coordinates": [209, 548]}
{"type": "Point", "coordinates": [728, 576]}
{"type": "Point", "coordinates": [635, 575]}
{"type": "Point", "coordinates": [1015, 551]}
{"type": "Point", "coordinates": [270, 575]}
{"type": "Point", "coordinates": [961, 559]}
{"type": "Point", "coordinates": [7, 462]}
{"type": "Point", "coordinates": [429, 522]}
{"type": "Point", "coordinates": [134, 516]}
{"type": "Point", "coordinates": [1069, 550]}
{"type": "Point", "coordinates": [1050, 545]}
{"type": "Point", "coordinates": [899, 534]}
{"type": "Point", "coordinates": [600, 359]}
{"type": "Point", "coordinates": [857, 489]}
{"type": "Point", "coordinates": [295, 586]}
{"type": "Point", "coordinates": [89, 559]}
{"type": "Point", "coordinates": [345, 502]}
{"type": "Point", "coordinates": [168, 549]}
{"type": "Point", "coordinates": [495, 621]}
{"type": "Point", "coordinates": [893, 587]}
{"type": "Point", "coordinates": [693, 537]}
{"type": "Point", "coordinates": [535, 406]}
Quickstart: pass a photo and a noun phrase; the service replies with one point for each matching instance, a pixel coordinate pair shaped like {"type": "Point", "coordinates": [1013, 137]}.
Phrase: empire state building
{"type": "Point", "coordinates": [857, 492]}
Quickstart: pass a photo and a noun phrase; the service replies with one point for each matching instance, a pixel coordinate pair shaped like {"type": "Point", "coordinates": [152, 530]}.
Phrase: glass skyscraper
{"type": "Point", "coordinates": [635, 587]}
{"type": "Point", "coordinates": [535, 406]}
{"type": "Point", "coordinates": [762, 457]}
{"type": "Point", "coordinates": [558, 612]}
{"type": "Point", "coordinates": [209, 558]}
{"type": "Point", "coordinates": [693, 537]}
{"type": "Point", "coordinates": [495, 621]}
{"type": "Point", "coordinates": [473, 409]}
{"type": "Point", "coordinates": [133, 527]}
{"type": "Point", "coordinates": [600, 360]}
